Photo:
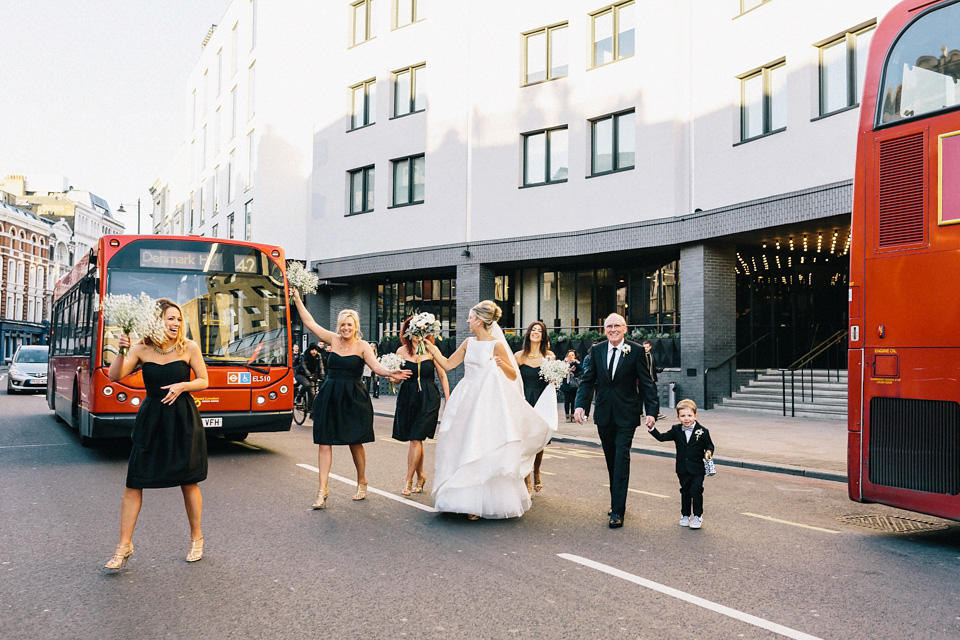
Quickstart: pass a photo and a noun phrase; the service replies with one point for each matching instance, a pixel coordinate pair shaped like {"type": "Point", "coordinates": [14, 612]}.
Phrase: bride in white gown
{"type": "Point", "coordinates": [489, 434]}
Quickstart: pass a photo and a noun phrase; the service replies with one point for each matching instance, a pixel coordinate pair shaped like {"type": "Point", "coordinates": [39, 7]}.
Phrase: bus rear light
{"type": "Point", "coordinates": [121, 397]}
{"type": "Point", "coordinates": [880, 331]}
{"type": "Point", "coordinates": [275, 253]}
{"type": "Point", "coordinates": [261, 400]}
{"type": "Point", "coordinates": [135, 401]}
{"type": "Point", "coordinates": [108, 391]}
{"type": "Point", "coordinates": [283, 389]}
{"type": "Point", "coordinates": [272, 395]}
{"type": "Point", "coordinates": [114, 242]}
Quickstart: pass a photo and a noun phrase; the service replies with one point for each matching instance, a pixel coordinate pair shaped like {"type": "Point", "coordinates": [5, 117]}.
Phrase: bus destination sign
{"type": "Point", "coordinates": [177, 259]}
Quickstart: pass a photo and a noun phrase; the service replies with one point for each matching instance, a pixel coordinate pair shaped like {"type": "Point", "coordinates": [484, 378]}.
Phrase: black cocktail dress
{"type": "Point", "coordinates": [533, 384]}
{"type": "Point", "coordinates": [418, 403]}
{"type": "Point", "coordinates": [169, 445]}
{"type": "Point", "coordinates": [342, 412]}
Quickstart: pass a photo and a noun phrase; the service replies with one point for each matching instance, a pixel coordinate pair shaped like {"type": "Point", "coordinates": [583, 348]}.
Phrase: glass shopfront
{"type": "Point", "coordinates": [396, 301]}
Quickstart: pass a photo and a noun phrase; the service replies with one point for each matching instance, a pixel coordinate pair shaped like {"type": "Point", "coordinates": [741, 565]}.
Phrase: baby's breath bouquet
{"type": "Point", "coordinates": [393, 362]}
{"type": "Point", "coordinates": [554, 371]}
{"type": "Point", "coordinates": [423, 325]}
{"type": "Point", "coordinates": [301, 279]}
{"type": "Point", "coordinates": [140, 316]}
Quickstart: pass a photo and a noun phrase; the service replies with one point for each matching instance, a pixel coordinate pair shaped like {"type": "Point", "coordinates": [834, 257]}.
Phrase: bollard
{"type": "Point", "coordinates": [672, 397]}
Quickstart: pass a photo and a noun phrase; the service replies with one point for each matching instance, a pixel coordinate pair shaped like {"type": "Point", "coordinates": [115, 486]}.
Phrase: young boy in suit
{"type": "Point", "coordinates": [693, 447]}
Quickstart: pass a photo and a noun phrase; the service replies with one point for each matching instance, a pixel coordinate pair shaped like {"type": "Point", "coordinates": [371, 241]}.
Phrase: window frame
{"type": "Point", "coordinates": [368, 20]}
{"type": "Point", "coordinates": [369, 106]}
{"type": "Point", "coordinates": [413, 71]}
{"type": "Point", "coordinates": [366, 189]}
{"type": "Point", "coordinates": [849, 38]}
{"type": "Point", "coordinates": [415, 14]}
{"type": "Point", "coordinates": [765, 72]}
{"type": "Point", "coordinates": [548, 32]}
{"type": "Point", "coordinates": [615, 9]}
{"type": "Point", "coordinates": [615, 147]}
{"type": "Point", "coordinates": [547, 169]}
{"type": "Point", "coordinates": [411, 187]}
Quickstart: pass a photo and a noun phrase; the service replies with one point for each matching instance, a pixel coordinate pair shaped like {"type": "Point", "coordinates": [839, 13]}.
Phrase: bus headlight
{"type": "Point", "coordinates": [108, 391]}
{"type": "Point", "coordinates": [121, 397]}
{"type": "Point", "coordinates": [261, 400]}
{"type": "Point", "coordinates": [135, 401]}
{"type": "Point", "coordinates": [283, 389]}
{"type": "Point", "coordinates": [273, 395]}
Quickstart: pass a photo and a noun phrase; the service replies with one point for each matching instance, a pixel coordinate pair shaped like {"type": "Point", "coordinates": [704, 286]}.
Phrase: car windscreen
{"type": "Point", "coordinates": [31, 356]}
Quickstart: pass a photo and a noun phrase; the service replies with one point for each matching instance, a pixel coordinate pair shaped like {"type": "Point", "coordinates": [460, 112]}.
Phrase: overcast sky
{"type": "Point", "coordinates": [94, 90]}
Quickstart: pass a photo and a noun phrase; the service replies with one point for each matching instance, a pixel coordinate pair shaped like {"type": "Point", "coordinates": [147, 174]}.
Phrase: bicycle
{"type": "Point", "coordinates": [303, 401]}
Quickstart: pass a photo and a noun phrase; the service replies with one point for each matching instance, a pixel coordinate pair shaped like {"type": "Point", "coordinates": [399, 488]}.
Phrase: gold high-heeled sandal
{"type": "Point", "coordinates": [537, 481]}
{"type": "Point", "coordinates": [473, 517]}
{"type": "Point", "coordinates": [422, 481]}
{"type": "Point", "coordinates": [196, 550]}
{"type": "Point", "coordinates": [407, 488]}
{"type": "Point", "coordinates": [120, 557]}
{"type": "Point", "coordinates": [321, 500]}
{"type": "Point", "coordinates": [361, 492]}
{"type": "Point", "coordinates": [529, 486]}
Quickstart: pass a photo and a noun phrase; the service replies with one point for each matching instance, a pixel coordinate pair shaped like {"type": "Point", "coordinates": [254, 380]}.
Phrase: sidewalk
{"type": "Point", "coordinates": [810, 447]}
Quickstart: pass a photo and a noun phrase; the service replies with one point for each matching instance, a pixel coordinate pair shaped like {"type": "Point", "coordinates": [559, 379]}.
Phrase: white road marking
{"type": "Point", "coordinates": [370, 489]}
{"type": "Point", "coordinates": [692, 599]}
{"type": "Point", "coordinates": [646, 493]}
{"type": "Point", "coordinates": [794, 524]}
{"type": "Point", "coordinates": [20, 446]}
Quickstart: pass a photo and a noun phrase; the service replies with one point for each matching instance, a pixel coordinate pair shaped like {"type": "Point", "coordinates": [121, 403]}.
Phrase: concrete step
{"type": "Point", "coordinates": [799, 413]}
{"type": "Point", "coordinates": [821, 399]}
{"type": "Point", "coordinates": [818, 391]}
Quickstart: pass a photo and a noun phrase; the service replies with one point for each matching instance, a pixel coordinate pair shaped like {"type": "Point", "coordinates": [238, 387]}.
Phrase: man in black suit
{"type": "Point", "coordinates": [622, 379]}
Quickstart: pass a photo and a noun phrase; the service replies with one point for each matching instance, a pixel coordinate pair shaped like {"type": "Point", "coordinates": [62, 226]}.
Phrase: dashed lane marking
{"type": "Point", "coordinates": [353, 483]}
{"type": "Point", "coordinates": [794, 524]}
{"type": "Point", "coordinates": [692, 599]}
{"type": "Point", "coordinates": [646, 493]}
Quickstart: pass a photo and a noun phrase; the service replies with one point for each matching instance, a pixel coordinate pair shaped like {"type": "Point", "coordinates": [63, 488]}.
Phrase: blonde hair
{"type": "Point", "coordinates": [180, 342]}
{"type": "Point", "coordinates": [487, 311]}
{"type": "Point", "coordinates": [349, 313]}
{"type": "Point", "coordinates": [687, 404]}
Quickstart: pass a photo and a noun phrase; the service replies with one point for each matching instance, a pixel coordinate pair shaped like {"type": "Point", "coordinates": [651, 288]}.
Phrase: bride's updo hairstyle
{"type": "Point", "coordinates": [487, 311]}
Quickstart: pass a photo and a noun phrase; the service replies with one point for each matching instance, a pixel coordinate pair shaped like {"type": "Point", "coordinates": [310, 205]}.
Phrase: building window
{"type": "Point", "coordinates": [205, 94]}
{"type": "Point", "coordinates": [203, 204]}
{"type": "Point", "coordinates": [247, 225]}
{"type": "Point", "coordinates": [230, 178]}
{"type": "Point", "coordinates": [234, 46]}
{"type": "Point", "coordinates": [362, 24]}
{"type": "Point", "coordinates": [408, 180]}
{"type": "Point", "coordinates": [220, 71]}
{"type": "Point", "coordinates": [251, 78]}
{"type": "Point", "coordinates": [545, 157]}
{"type": "Point", "coordinates": [545, 54]}
{"type": "Point", "coordinates": [230, 226]}
{"type": "Point", "coordinates": [363, 104]}
{"type": "Point", "coordinates": [407, 12]}
{"type": "Point", "coordinates": [203, 154]}
{"type": "Point", "coordinates": [215, 231]}
{"type": "Point", "coordinates": [614, 143]}
{"type": "Point", "coordinates": [191, 212]}
{"type": "Point", "coordinates": [253, 24]}
{"type": "Point", "coordinates": [214, 192]}
{"type": "Point", "coordinates": [233, 113]}
{"type": "Point", "coordinates": [843, 62]}
{"type": "Point", "coordinates": [251, 158]}
{"type": "Point", "coordinates": [763, 101]}
{"type": "Point", "coordinates": [746, 5]}
{"type": "Point", "coordinates": [361, 190]}
{"type": "Point", "coordinates": [408, 94]}
{"type": "Point", "coordinates": [613, 30]}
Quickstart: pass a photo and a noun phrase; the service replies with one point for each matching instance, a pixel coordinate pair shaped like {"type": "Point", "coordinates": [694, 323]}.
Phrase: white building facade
{"type": "Point", "coordinates": [686, 164]}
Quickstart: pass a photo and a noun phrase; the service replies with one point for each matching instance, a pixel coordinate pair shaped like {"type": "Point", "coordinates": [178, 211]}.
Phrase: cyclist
{"type": "Point", "coordinates": [309, 370]}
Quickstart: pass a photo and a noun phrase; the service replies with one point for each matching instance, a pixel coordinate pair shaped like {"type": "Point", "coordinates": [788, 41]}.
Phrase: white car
{"type": "Point", "coordinates": [28, 369]}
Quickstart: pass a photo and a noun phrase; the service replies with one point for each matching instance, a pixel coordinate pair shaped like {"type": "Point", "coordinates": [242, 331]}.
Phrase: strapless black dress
{"type": "Point", "coordinates": [418, 407]}
{"type": "Point", "coordinates": [342, 412]}
{"type": "Point", "coordinates": [169, 445]}
{"type": "Point", "coordinates": [533, 384]}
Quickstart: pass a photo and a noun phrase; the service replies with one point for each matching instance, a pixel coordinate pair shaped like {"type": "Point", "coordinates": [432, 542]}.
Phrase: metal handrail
{"type": "Point", "coordinates": [715, 367]}
{"type": "Point", "coordinates": [802, 363]}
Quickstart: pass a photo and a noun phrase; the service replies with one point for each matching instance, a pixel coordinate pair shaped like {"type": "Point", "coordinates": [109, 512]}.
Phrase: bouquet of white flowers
{"type": "Point", "coordinates": [421, 326]}
{"type": "Point", "coordinates": [140, 316]}
{"type": "Point", "coordinates": [554, 371]}
{"type": "Point", "coordinates": [393, 362]}
{"type": "Point", "coordinates": [300, 278]}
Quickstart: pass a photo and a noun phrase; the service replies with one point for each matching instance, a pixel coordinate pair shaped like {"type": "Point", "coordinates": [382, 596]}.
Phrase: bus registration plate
{"type": "Point", "coordinates": [212, 422]}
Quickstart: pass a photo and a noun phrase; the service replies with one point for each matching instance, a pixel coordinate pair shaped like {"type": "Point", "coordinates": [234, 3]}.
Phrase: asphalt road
{"type": "Point", "coordinates": [772, 560]}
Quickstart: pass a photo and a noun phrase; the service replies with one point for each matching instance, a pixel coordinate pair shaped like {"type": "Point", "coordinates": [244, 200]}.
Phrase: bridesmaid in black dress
{"type": "Point", "coordinates": [418, 405]}
{"type": "Point", "coordinates": [342, 412]}
{"type": "Point", "coordinates": [536, 350]}
{"type": "Point", "coordinates": [169, 446]}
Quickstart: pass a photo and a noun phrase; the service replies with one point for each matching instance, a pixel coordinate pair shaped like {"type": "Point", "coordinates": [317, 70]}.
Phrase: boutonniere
{"type": "Point", "coordinates": [698, 433]}
{"type": "Point", "coordinates": [626, 349]}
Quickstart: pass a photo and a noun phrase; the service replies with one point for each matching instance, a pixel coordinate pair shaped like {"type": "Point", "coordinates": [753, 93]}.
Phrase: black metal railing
{"type": "Point", "coordinates": [731, 365]}
{"type": "Point", "coordinates": [827, 351]}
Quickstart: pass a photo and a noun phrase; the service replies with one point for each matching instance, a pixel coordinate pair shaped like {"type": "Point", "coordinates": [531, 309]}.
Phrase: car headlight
{"type": "Point", "coordinates": [14, 371]}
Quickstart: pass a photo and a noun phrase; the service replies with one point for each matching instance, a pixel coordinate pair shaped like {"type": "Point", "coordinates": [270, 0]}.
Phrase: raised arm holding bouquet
{"type": "Point", "coordinates": [343, 412]}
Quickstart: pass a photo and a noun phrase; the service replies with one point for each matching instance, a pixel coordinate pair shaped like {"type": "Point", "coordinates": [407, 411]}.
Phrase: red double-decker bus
{"type": "Point", "coordinates": [234, 301]}
{"type": "Point", "coordinates": [904, 358]}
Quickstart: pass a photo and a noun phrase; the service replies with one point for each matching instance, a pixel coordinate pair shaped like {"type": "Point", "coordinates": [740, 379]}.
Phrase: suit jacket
{"type": "Point", "coordinates": [652, 363]}
{"type": "Point", "coordinates": [689, 454]}
{"type": "Point", "coordinates": [618, 401]}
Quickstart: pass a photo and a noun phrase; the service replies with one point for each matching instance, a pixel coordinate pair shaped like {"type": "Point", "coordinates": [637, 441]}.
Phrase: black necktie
{"type": "Point", "coordinates": [613, 360]}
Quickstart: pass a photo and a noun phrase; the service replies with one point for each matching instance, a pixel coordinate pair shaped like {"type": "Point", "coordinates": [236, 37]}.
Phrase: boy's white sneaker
{"type": "Point", "coordinates": [696, 522]}
{"type": "Point", "coordinates": [685, 521]}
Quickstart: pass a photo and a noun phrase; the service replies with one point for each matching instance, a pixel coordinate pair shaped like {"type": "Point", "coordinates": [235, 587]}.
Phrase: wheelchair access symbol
{"type": "Point", "coordinates": [238, 377]}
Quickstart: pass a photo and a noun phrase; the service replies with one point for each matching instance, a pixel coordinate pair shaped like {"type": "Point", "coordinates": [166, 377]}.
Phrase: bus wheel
{"type": "Point", "coordinates": [236, 437]}
{"type": "Point", "coordinates": [86, 442]}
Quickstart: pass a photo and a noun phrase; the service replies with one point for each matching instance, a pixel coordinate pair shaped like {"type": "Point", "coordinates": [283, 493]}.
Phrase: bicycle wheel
{"type": "Point", "coordinates": [300, 407]}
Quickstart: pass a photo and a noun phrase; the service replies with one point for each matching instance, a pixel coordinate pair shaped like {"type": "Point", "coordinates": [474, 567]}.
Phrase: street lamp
{"type": "Point", "coordinates": [120, 209]}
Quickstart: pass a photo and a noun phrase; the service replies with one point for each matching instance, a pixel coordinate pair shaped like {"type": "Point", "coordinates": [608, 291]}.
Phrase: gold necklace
{"type": "Point", "coordinates": [164, 352]}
